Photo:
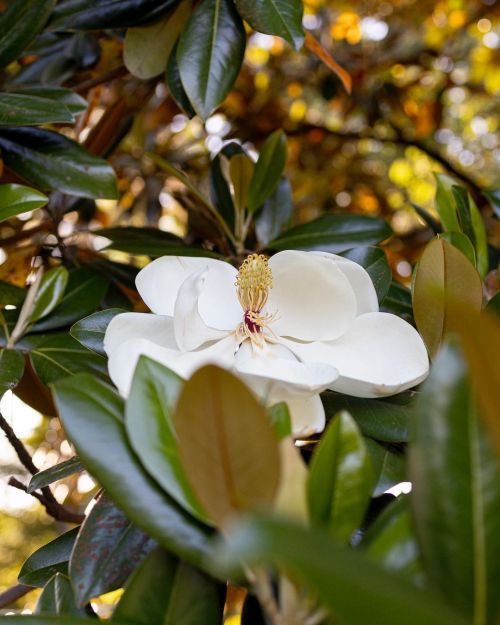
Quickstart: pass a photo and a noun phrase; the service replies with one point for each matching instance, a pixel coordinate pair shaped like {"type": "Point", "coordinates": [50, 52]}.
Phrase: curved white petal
{"type": "Point", "coordinates": [123, 359]}
{"type": "Point", "coordinates": [380, 355]}
{"type": "Point", "coordinates": [274, 369]}
{"type": "Point", "coordinates": [312, 296]}
{"type": "Point", "coordinates": [159, 283]}
{"type": "Point", "coordinates": [126, 326]}
{"type": "Point", "coordinates": [307, 414]}
{"type": "Point", "coordinates": [360, 281]}
{"type": "Point", "coordinates": [189, 328]}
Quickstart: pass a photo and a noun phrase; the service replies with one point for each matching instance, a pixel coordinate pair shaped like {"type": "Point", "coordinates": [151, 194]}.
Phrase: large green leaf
{"type": "Point", "coordinates": [29, 110]}
{"type": "Point", "coordinates": [16, 199]}
{"type": "Point", "coordinates": [456, 492]}
{"type": "Point", "coordinates": [341, 478]}
{"type": "Point", "coordinates": [268, 170]}
{"type": "Point", "coordinates": [58, 598]}
{"type": "Point", "coordinates": [220, 193]}
{"type": "Point", "coordinates": [102, 445]}
{"type": "Point", "coordinates": [55, 473]}
{"type": "Point", "coordinates": [50, 559]}
{"type": "Point", "coordinates": [386, 419]}
{"type": "Point", "coordinates": [148, 421]}
{"type": "Point", "coordinates": [106, 551]}
{"type": "Point", "coordinates": [398, 302]}
{"type": "Point", "coordinates": [389, 464]}
{"type": "Point", "coordinates": [90, 331]}
{"type": "Point", "coordinates": [53, 162]}
{"type": "Point", "coordinates": [275, 17]}
{"type": "Point", "coordinates": [50, 292]}
{"type": "Point", "coordinates": [210, 53]}
{"type": "Point", "coordinates": [11, 294]}
{"type": "Point", "coordinates": [352, 586]}
{"type": "Point", "coordinates": [11, 369]}
{"type": "Point", "coordinates": [275, 213]}
{"type": "Point", "coordinates": [374, 260]}
{"type": "Point", "coordinates": [333, 233]}
{"type": "Point", "coordinates": [177, 91]}
{"type": "Point", "coordinates": [79, 15]}
{"type": "Point", "coordinates": [164, 589]}
{"type": "Point", "coordinates": [19, 25]}
{"type": "Point", "coordinates": [59, 355]}
{"type": "Point", "coordinates": [70, 99]}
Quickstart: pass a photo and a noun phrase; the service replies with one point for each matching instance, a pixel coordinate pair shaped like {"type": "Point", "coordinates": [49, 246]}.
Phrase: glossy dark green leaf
{"type": "Point", "coordinates": [102, 445]}
{"type": "Point", "coordinates": [29, 110]}
{"type": "Point", "coordinates": [374, 260]}
{"type": "Point", "coordinates": [220, 193]}
{"type": "Point", "coordinates": [84, 292]}
{"type": "Point", "coordinates": [433, 223]}
{"type": "Point", "coordinates": [462, 243]}
{"type": "Point", "coordinates": [341, 478]}
{"type": "Point", "coordinates": [50, 292]}
{"type": "Point", "coordinates": [148, 421]}
{"type": "Point", "coordinates": [347, 582]}
{"type": "Point", "coordinates": [398, 302]}
{"type": "Point", "coordinates": [164, 589]}
{"type": "Point", "coordinates": [389, 465]}
{"type": "Point", "coordinates": [445, 203]}
{"type": "Point", "coordinates": [11, 294]}
{"type": "Point", "coordinates": [50, 559]}
{"type": "Point", "coordinates": [11, 369]}
{"type": "Point", "coordinates": [90, 330]}
{"type": "Point", "coordinates": [19, 25]}
{"type": "Point", "coordinates": [106, 551]}
{"type": "Point", "coordinates": [78, 15]}
{"type": "Point", "coordinates": [174, 83]}
{"type": "Point", "coordinates": [56, 356]}
{"type": "Point", "coordinates": [148, 241]}
{"type": "Point", "coordinates": [493, 196]}
{"type": "Point", "coordinates": [386, 419]}
{"type": "Point", "coordinates": [275, 17]}
{"type": "Point", "coordinates": [210, 54]}
{"type": "Point", "coordinates": [70, 99]}
{"type": "Point", "coordinates": [51, 161]}
{"type": "Point", "coordinates": [275, 213]}
{"type": "Point", "coordinates": [333, 233]}
{"type": "Point", "coordinates": [58, 598]}
{"type": "Point", "coordinates": [462, 203]}
{"type": "Point", "coordinates": [16, 199]}
{"type": "Point", "coordinates": [55, 473]}
{"type": "Point", "coordinates": [268, 170]}
{"type": "Point", "coordinates": [456, 491]}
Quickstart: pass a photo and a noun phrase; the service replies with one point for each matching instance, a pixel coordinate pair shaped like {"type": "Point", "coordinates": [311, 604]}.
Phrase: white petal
{"type": "Point", "coordinates": [380, 355]}
{"type": "Point", "coordinates": [360, 281]}
{"type": "Point", "coordinates": [275, 369]}
{"type": "Point", "coordinates": [190, 329]}
{"type": "Point", "coordinates": [126, 326]}
{"type": "Point", "coordinates": [312, 296]}
{"type": "Point", "coordinates": [123, 359]}
{"type": "Point", "coordinates": [307, 414]}
{"type": "Point", "coordinates": [159, 283]}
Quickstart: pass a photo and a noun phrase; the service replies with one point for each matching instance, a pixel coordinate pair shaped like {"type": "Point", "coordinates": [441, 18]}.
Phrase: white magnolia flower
{"type": "Point", "coordinates": [290, 327]}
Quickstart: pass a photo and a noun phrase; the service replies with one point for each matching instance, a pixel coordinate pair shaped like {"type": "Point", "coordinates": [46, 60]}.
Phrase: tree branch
{"type": "Point", "coordinates": [84, 86]}
{"type": "Point", "coordinates": [9, 596]}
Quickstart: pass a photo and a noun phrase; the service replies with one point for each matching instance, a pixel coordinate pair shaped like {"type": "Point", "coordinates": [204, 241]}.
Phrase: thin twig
{"type": "Point", "coordinates": [26, 234]}
{"type": "Point", "coordinates": [9, 596]}
{"type": "Point", "coordinates": [117, 72]}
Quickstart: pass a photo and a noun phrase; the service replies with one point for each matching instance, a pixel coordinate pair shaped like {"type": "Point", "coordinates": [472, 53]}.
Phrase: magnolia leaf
{"type": "Point", "coordinates": [50, 292]}
{"type": "Point", "coordinates": [11, 369]}
{"type": "Point", "coordinates": [50, 559]}
{"type": "Point", "coordinates": [55, 473]}
{"type": "Point", "coordinates": [268, 170]}
{"type": "Point", "coordinates": [90, 330]}
{"type": "Point", "coordinates": [227, 444]}
{"type": "Point", "coordinates": [275, 17]}
{"type": "Point", "coordinates": [28, 110]}
{"type": "Point", "coordinates": [58, 598]}
{"type": "Point", "coordinates": [16, 199]}
{"type": "Point", "coordinates": [241, 169]}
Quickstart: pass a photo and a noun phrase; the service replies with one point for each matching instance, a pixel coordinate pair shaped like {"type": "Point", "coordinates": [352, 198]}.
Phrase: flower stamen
{"type": "Point", "coordinates": [254, 281]}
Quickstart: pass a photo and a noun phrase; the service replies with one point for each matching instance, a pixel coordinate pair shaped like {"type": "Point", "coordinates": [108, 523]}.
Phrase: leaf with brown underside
{"type": "Point", "coordinates": [227, 445]}
{"type": "Point", "coordinates": [316, 48]}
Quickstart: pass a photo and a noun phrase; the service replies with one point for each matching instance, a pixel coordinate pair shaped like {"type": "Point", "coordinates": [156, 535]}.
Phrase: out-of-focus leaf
{"type": "Point", "coordinates": [493, 306]}
{"type": "Point", "coordinates": [102, 445]}
{"type": "Point", "coordinates": [78, 15]}
{"type": "Point", "coordinates": [388, 463]}
{"type": "Point", "coordinates": [456, 491]}
{"type": "Point", "coordinates": [106, 551]}
{"type": "Point", "coordinates": [241, 169]}
{"type": "Point", "coordinates": [11, 369]}
{"type": "Point", "coordinates": [46, 619]}
{"type": "Point", "coordinates": [67, 97]}
{"type": "Point", "coordinates": [29, 110]}
{"type": "Point", "coordinates": [147, 48]}
{"type": "Point", "coordinates": [462, 243]}
{"type": "Point", "coordinates": [493, 196]}
{"type": "Point", "coordinates": [164, 589]}
{"type": "Point", "coordinates": [445, 203]}
{"type": "Point", "coordinates": [59, 355]}
{"type": "Point", "coordinates": [177, 91]}
{"type": "Point", "coordinates": [58, 598]}
{"type": "Point", "coordinates": [227, 444]}
{"type": "Point", "coordinates": [433, 224]}
{"type": "Point", "coordinates": [384, 419]}
{"type": "Point", "coordinates": [275, 17]}
{"type": "Point", "coordinates": [398, 302]}
{"type": "Point", "coordinates": [148, 420]}
{"type": "Point", "coordinates": [325, 57]}
{"type": "Point", "coordinates": [268, 170]}
{"type": "Point", "coordinates": [55, 473]}
{"type": "Point", "coordinates": [443, 272]}
{"type": "Point", "coordinates": [149, 241]}
{"type": "Point", "coordinates": [210, 54]}
{"type": "Point", "coordinates": [220, 193]}
{"type": "Point", "coordinates": [461, 198]}
{"type": "Point", "coordinates": [50, 559]}
{"type": "Point", "coordinates": [281, 420]}
{"type": "Point", "coordinates": [50, 292]}
{"type": "Point", "coordinates": [374, 260]}
{"type": "Point", "coordinates": [346, 581]}
{"type": "Point", "coordinates": [90, 330]}
{"type": "Point", "coordinates": [51, 161]}
{"type": "Point", "coordinates": [333, 233]}
{"type": "Point", "coordinates": [19, 24]}
{"type": "Point", "coordinates": [341, 478]}
{"type": "Point", "coordinates": [16, 199]}
{"type": "Point", "coordinates": [276, 213]}
{"type": "Point", "coordinates": [11, 294]}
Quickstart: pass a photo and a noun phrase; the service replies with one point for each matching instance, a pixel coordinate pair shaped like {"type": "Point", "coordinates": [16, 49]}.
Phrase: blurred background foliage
{"type": "Point", "coordinates": [425, 99]}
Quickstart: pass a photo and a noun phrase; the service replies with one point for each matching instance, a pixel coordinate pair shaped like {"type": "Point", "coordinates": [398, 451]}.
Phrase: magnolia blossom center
{"type": "Point", "coordinates": [253, 282]}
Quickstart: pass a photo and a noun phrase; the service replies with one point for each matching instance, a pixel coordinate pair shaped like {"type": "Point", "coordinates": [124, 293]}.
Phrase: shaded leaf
{"type": "Point", "coordinates": [67, 97]}
{"type": "Point", "coordinates": [398, 302]}
{"type": "Point", "coordinates": [220, 193]}
{"type": "Point", "coordinates": [276, 213]}
{"type": "Point", "coordinates": [55, 473]}
{"type": "Point", "coordinates": [90, 331]}
{"type": "Point", "coordinates": [374, 260]}
{"type": "Point", "coordinates": [16, 199]}
{"type": "Point", "coordinates": [58, 598]}
{"type": "Point", "coordinates": [28, 110]}
{"type": "Point", "coordinates": [11, 369]}
{"type": "Point", "coordinates": [275, 17]}
{"type": "Point", "coordinates": [462, 243]}
{"type": "Point", "coordinates": [11, 294]}
{"type": "Point", "coordinates": [389, 465]}
{"type": "Point", "coordinates": [50, 292]}
{"type": "Point", "coordinates": [174, 83]}
{"type": "Point", "coordinates": [268, 170]}
{"type": "Point", "coordinates": [50, 559]}
{"type": "Point", "coordinates": [241, 169]}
